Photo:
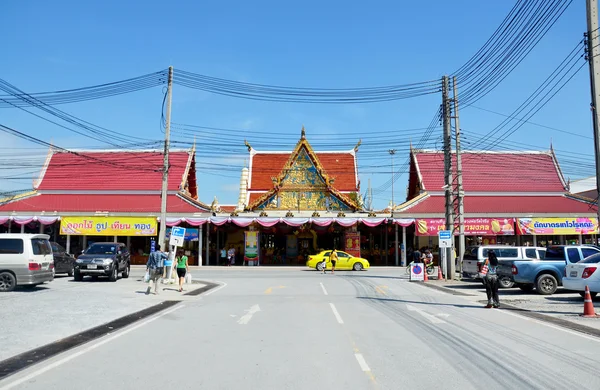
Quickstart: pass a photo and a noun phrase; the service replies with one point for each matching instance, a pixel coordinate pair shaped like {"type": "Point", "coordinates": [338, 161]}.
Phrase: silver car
{"type": "Point", "coordinates": [25, 260]}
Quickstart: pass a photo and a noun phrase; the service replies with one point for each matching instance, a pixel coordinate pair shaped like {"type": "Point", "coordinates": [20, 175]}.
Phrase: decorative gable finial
{"type": "Point", "coordinates": [248, 145]}
{"type": "Point", "coordinates": [357, 145]}
{"type": "Point", "coordinates": [303, 133]}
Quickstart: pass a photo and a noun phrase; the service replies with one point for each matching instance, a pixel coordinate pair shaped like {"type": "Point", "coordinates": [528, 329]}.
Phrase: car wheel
{"type": "Point", "coordinates": [70, 273]}
{"type": "Point", "coordinates": [526, 287]}
{"type": "Point", "coordinates": [546, 284]}
{"type": "Point", "coordinates": [8, 282]}
{"type": "Point", "coordinates": [592, 294]}
{"type": "Point", "coordinates": [125, 273]}
{"type": "Point", "coordinates": [319, 266]}
{"type": "Point", "coordinates": [77, 276]}
{"type": "Point", "coordinates": [357, 266]}
{"type": "Point", "coordinates": [505, 282]}
{"type": "Point", "coordinates": [114, 275]}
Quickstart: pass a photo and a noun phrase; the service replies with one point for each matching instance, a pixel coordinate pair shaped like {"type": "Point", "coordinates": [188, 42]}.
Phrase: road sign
{"type": "Point", "coordinates": [177, 236]}
{"type": "Point", "coordinates": [445, 237]}
{"type": "Point", "coordinates": [417, 271]}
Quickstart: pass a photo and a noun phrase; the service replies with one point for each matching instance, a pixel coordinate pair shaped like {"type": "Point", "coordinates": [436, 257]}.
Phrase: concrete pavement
{"type": "Point", "coordinates": [297, 329]}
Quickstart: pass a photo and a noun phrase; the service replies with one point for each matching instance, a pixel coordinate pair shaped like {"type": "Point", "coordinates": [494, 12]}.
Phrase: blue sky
{"type": "Point", "coordinates": [333, 44]}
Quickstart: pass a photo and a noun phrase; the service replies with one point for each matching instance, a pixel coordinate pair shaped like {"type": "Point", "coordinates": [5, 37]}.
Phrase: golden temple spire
{"type": "Point", "coordinates": [303, 133]}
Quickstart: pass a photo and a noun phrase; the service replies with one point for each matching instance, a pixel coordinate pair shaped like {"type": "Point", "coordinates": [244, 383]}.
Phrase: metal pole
{"type": "Point", "coordinates": [392, 152]}
{"type": "Point", "coordinates": [594, 63]}
{"type": "Point", "coordinates": [460, 192]}
{"type": "Point", "coordinates": [208, 243]}
{"type": "Point", "coordinates": [396, 244]}
{"type": "Point", "coordinates": [404, 260]}
{"type": "Point", "coordinates": [200, 233]}
{"type": "Point", "coordinates": [448, 172]}
{"type": "Point", "coordinates": [165, 178]}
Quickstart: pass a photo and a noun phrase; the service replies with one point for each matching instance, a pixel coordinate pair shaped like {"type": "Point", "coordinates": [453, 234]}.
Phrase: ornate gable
{"type": "Point", "coordinates": [303, 184]}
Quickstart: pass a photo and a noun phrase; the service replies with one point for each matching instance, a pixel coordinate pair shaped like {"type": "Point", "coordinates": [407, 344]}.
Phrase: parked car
{"type": "Point", "coordinates": [25, 260]}
{"type": "Point", "coordinates": [63, 261]}
{"type": "Point", "coordinates": [103, 259]}
{"type": "Point", "coordinates": [583, 273]}
{"type": "Point", "coordinates": [475, 256]}
{"type": "Point", "coordinates": [546, 275]}
{"type": "Point", "coordinates": [505, 267]}
{"type": "Point", "coordinates": [345, 261]}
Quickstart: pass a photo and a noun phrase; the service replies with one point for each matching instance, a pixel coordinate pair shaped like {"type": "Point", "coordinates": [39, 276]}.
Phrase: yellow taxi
{"type": "Point", "coordinates": [345, 261]}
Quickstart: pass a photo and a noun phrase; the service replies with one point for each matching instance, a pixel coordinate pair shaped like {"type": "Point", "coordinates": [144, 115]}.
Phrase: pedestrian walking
{"type": "Point", "coordinates": [223, 256]}
{"type": "Point", "coordinates": [231, 256]}
{"type": "Point", "coordinates": [168, 267]}
{"type": "Point", "coordinates": [182, 268]}
{"type": "Point", "coordinates": [333, 259]}
{"type": "Point", "coordinates": [489, 271]}
{"type": "Point", "coordinates": [154, 267]}
{"type": "Point", "coordinates": [324, 264]}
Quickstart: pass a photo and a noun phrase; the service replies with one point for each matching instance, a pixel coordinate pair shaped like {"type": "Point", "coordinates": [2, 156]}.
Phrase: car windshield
{"type": "Point", "coordinates": [101, 249]}
{"type": "Point", "coordinates": [593, 259]}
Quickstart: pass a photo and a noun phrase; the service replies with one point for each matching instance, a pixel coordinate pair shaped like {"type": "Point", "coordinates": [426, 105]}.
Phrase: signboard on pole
{"type": "Point", "coordinates": [417, 272]}
{"type": "Point", "coordinates": [445, 237]}
{"type": "Point", "coordinates": [177, 236]}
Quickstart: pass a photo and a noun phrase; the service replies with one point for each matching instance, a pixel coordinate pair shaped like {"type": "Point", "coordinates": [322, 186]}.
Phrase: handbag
{"type": "Point", "coordinates": [484, 269]}
{"type": "Point", "coordinates": [147, 276]}
{"type": "Point", "coordinates": [188, 278]}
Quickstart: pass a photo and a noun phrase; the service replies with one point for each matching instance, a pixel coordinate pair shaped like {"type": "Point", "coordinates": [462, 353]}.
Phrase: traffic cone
{"type": "Point", "coordinates": [425, 277]}
{"type": "Point", "coordinates": [588, 305]}
{"type": "Point", "coordinates": [440, 276]}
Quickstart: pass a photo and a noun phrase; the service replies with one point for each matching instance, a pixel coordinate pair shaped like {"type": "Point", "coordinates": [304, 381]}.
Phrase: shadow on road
{"type": "Point", "coordinates": [418, 302]}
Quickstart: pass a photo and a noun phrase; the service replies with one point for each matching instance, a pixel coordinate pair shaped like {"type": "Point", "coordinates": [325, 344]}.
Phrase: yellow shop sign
{"type": "Point", "coordinates": [109, 226]}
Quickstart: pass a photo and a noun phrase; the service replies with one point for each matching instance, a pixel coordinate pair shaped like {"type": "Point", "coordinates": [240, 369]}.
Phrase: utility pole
{"type": "Point", "coordinates": [460, 194]}
{"type": "Point", "coordinates": [448, 182]}
{"type": "Point", "coordinates": [594, 62]}
{"type": "Point", "coordinates": [392, 152]}
{"type": "Point", "coordinates": [165, 178]}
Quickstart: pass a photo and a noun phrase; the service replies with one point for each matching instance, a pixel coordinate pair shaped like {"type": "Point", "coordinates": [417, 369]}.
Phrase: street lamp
{"type": "Point", "coordinates": [392, 152]}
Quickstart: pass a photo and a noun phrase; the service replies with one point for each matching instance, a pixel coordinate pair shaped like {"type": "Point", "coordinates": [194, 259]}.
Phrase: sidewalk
{"type": "Point", "coordinates": [562, 308]}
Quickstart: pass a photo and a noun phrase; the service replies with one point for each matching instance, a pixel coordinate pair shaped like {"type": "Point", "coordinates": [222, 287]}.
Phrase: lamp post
{"type": "Point", "coordinates": [392, 152]}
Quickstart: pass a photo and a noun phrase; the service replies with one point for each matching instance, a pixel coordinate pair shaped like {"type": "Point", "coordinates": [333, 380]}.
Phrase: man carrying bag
{"type": "Point", "coordinates": [154, 267]}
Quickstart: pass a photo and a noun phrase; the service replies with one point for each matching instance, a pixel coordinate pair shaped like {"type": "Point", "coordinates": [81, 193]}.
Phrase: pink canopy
{"type": "Point", "coordinates": [47, 220]}
{"type": "Point", "coordinates": [196, 221]}
{"type": "Point", "coordinates": [296, 221]}
{"type": "Point", "coordinates": [403, 222]}
{"type": "Point", "coordinates": [346, 222]}
{"type": "Point", "coordinates": [3, 220]}
{"type": "Point", "coordinates": [242, 222]}
{"type": "Point", "coordinates": [23, 220]}
{"type": "Point", "coordinates": [372, 222]}
{"type": "Point", "coordinates": [268, 221]}
{"type": "Point", "coordinates": [322, 221]}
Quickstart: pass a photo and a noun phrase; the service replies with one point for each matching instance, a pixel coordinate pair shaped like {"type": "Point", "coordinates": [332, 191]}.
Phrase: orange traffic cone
{"type": "Point", "coordinates": [588, 305]}
{"type": "Point", "coordinates": [440, 276]}
{"type": "Point", "coordinates": [425, 277]}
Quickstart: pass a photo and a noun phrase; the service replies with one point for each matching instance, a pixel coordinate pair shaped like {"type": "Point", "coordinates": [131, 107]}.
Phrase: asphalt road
{"type": "Point", "coordinates": [294, 329]}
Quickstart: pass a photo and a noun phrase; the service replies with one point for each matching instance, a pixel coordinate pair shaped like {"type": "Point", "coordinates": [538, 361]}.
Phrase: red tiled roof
{"type": "Point", "coordinates": [337, 165]}
{"type": "Point", "coordinates": [505, 204]}
{"type": "Point", "coordinates": [494, 172]}
{"type": "Point", "coordinates": [93, 203]}
{"type": "Point", "coordinates": [112, 170]}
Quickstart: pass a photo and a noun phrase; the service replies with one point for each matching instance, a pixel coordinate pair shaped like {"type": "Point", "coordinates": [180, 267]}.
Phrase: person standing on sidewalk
{"type": "Point", "coordinates": [182, 268]}
{"type": "Point", "coordinates": [154, 267]}
{"type": "Point", "coordinates": [333, 258]}
{"type": "Point", "coordinates": [491, 280]}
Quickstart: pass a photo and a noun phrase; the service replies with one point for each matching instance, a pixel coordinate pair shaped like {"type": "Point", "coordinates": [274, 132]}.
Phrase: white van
{"type": "Point", "coordinates": [25, 260]}
{"type": "Point", "coordinates": [476, 255]}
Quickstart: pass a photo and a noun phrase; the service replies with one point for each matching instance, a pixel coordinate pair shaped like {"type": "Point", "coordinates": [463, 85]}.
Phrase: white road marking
{"type": "Point", "coordinates": [362, 362]}
{"type": "Point", "coordinates": [214, 290]}
{"type": "Point", "coordinates": [445, 315]}
{"type": "Point", "coordinates": [323, 287]}
{"type": "Point", "coordinates": [86, 350]}
{"type": "Point", "coordinates": [433, 319]}
{"type": "Point", "coordinates": [575, 333]}
{"type": "Point", "coordinates": [336, 314]}
{"type": "Point", "coordinates": [248, 316]}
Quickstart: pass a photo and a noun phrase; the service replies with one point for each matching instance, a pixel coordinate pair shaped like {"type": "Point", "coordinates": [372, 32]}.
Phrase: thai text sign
{"type": "Point", "coordinates": [557, 226]}
{"type": "Point", "coordinates": [473, 226]}
{"type": "Point", "coordinates": [251, 247]}
{"type": "Point", "coordinates": [108, 226]}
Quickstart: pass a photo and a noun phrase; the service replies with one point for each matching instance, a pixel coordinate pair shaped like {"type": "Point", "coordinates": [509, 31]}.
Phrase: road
{"type": "Point", "coordinates": [294, 329]}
